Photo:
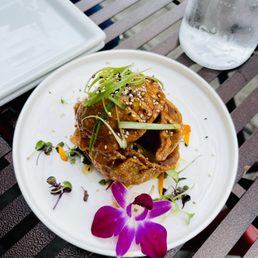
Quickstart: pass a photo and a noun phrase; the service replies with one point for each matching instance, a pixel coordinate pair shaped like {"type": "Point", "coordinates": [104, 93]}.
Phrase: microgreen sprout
{"type": "Point", "coordinates": [176, 209]}
{"type": "Point", "coordinates": [107, 182]}
{"type": "Point", "coordinates": [104, 181]}
{"type": "Point", "coordinates": [63, 101]}
{"type": "Point", "coordinates": [178, 192]}
{"type": "Point", "coordinates": [43, 147]}
{"type": "Point", "coordinates": [65, 152]}
{"type": "Point", "coordinates": [40, 145]}
{"type": "Point", "coordinates": [85, 195]}
{"type": "Point", "coordinates": [58, 188]}
{"type": "Point", "coordinates": [51, 180]}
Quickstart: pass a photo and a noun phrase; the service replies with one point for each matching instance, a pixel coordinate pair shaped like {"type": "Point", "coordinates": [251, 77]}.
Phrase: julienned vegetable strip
{"type": "Point", "coordinates": [62, 153]}
{"type": "Point", "coordinates": [121, 141]}
{"type": "Point", "coordinates": [148, 126]}
{"type": "Point", "coordinates": [107, 81]}
{"type": "Point", "coordinates": [186, 134]}
{"type": "Point", "coordinates": [97, 126]}
{"type": "Point", "coordinates": [108, 84]}
{"type": "Point", "coordinates": [161, 184]}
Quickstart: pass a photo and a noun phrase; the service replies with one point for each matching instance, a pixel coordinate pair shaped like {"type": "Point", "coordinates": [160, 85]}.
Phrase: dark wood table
{"type": "Point", "coordinates": [234, 230]}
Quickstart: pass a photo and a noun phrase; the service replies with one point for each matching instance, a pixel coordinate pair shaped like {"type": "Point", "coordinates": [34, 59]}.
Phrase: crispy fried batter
{"type": "Point", "coordinates": [148, 153]}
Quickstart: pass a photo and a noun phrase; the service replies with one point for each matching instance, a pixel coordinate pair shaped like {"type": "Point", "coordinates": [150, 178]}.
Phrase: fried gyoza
{"type": "Point", "coordinates": [148, 152]}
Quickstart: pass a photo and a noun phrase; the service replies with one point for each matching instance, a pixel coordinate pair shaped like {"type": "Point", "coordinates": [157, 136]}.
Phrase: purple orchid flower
{"type": "Point", "coordinates": [132, 222]}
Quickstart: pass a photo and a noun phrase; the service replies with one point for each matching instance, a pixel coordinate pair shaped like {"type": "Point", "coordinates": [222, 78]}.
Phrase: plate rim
{"type": "Point", "coordinates": [186, 71]}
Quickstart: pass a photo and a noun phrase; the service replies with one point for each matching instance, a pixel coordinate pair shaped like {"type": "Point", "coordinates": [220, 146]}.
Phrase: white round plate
{"type": "Point", "coordinates": [44, 117]}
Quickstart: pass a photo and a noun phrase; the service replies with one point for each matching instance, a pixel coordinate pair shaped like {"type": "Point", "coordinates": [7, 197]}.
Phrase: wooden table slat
{"type": "Point", "coordinates": [238, 190]}
{"type": "Point", "coordinates": [134, 18]}
{"type": "Point", "coordinates": [253, 250]}
{"type": "Point", "coordinates": [171, 253]}
{"type": "Point", "coordinates": [85, 5]}
{"type": "Point", "coordinates": [110, 10]}
{"type": "Point", "coordinates": [13, 214]}
{"type": "Point", "coordinates": [32, 243]}
{"type": "Point", "coordinates": [167, 45]}
{"type": "Point", "coordinates": [184, 59]}
{"type": "Point", "coordinates": [239, 79]}
{"type": "Point", "coordinates": [72, 251]}
{"type": "Point", "coordinates": [4, 147]}
{"type": "Point", "coordinates": [9, 157]}
{"type": "Point", "coordinates": [248, 154]}
{"type": "Point", "coordinates": [208, 74]}
{"type": "Point", "coordinates": [56, 245]}
{"type": "Point", "coordinates": [233, 226]}
{"type": "Point", "coordinates": [156, 27]}
{"type": "Point", "coordinates": [7, 179]}
{"type": "Point", "coordinates": [246, 110]}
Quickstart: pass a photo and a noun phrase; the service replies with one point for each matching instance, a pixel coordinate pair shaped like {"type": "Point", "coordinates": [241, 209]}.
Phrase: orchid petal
{"type": "Point", "coordinates": [129, 210]}
{"type": "Point", "coordinates": [108, 221]}
{"type": "Point", "coordinates": [144, 200]}
{"type": "Point", "coordinates": [159, 208]}
{"type": "Point", "coordinates": [152, 238]}
{"type": "Point", "coordinates": [119, 192]}
{"type": "Point", "coordinates": [125, 240]}
{"type": "Point", "coordinates": [142, 215]}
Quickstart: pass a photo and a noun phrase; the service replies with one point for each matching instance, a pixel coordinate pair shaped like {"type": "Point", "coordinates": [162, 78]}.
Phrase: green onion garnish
{"type": "Point", "coordinates": [121, 141]}
{"type": "Point", "coordinates": [148, 126]}
{"type": "Point", "coordinates": [108, 81]}
{"type": "Point", "coordinates": [98, 125]}
{"type": "Point", "coordinates": [107, 85]}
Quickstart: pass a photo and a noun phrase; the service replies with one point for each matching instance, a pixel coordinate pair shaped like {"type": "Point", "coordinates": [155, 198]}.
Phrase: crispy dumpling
{"type": "Point", "coordinates": [148, 152]}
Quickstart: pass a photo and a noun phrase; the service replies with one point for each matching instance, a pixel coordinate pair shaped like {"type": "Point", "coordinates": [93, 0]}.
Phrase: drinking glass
{"type": "Point", "coordinates": [219, 34]}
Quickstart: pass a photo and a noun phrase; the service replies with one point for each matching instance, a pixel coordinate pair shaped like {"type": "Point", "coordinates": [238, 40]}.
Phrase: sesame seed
{"type": "Point", "coordinates": [105, 147]}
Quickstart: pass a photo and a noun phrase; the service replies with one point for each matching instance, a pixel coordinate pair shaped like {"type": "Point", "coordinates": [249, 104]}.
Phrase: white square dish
{"type": "Point", "coordinates": [38, 36]}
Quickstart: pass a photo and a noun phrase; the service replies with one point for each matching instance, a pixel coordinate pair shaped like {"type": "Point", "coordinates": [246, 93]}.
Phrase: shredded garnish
{"type": "Point", "coordinates": [186, 134]}
{"type": "Point", "coordinates": [107, 85]}
{"type": "Point", "coordinates": [62, 153]}
{"type": "Point", "coordinates": [161, 184]}
{"type": "Point", "coordinates": [108, 81]}
{"type": "Point", "coordinates": [120, 140]}
{"type": "Point", "coordinates": [148, 126]}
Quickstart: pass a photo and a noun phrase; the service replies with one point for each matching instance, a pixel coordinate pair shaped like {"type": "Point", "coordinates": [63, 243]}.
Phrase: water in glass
{"type": "Point", "coordinates": [220, 34]}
